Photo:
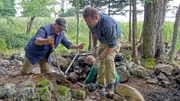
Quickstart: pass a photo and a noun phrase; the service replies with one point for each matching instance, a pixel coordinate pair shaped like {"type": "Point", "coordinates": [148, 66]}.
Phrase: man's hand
{"type": "Point", "coordinates": [94, 51]}
{"type": "Point", "coordinates": [80, 46]}
{"type": "Point", "coordinates": [50, 39]}
{"type": "Point", "coordinates": [97, 63]}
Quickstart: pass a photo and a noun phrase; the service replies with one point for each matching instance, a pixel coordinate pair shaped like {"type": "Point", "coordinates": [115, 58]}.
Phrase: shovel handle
{"type": "Point", "coordinates": [52, 44]}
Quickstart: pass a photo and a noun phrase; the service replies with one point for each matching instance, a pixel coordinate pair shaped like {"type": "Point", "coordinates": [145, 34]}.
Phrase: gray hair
{"type": "Point", "coordinates": [90, 11]}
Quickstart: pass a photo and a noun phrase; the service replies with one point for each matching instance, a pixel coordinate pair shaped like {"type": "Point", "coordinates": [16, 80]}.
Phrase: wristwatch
{"type": "Point", "coordinates": [100, 57]}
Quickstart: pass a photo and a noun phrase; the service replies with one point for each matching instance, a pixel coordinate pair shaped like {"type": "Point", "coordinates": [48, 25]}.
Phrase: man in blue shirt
{"type": "Point", "coordinates": [107, 31]}
{"type": "Point", "coordinates": [38, 49]}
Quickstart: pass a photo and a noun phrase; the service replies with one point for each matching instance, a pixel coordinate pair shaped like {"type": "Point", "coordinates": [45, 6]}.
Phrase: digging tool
{"type": "Point", "coordinates": [72, 62]}
{"type": "Point", "coordinates": [60, 71]}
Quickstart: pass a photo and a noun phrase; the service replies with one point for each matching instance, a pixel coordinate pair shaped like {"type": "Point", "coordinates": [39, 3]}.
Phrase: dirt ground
{"type": "Point", "coordinates": [149, 91]}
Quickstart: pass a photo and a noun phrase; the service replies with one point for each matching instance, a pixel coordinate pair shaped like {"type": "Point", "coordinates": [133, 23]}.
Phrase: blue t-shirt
{"type": "Point", "coordinates": [107, 30]}
{"type": "Point", "coordinates": [35, 53]}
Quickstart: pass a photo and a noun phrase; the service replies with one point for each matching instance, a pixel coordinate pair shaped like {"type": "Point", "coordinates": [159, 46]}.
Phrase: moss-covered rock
{"type": "Point", "coordinates": [43, 83]}
{"type": "Point", "coordinates": [80, 95]}
{"type": "Point", "coordinates": [149, 63]}
{"type": "Point", "coordinates": [63, 93]}
{"type": "Point", "coordinates": [45, 94]}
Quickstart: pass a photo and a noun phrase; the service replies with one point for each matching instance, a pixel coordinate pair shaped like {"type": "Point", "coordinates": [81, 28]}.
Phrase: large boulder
{"type": "Point", "coordinates": [166, 69]}
{"type": "Point", "coordinates": [62, 62]}
{"type": "Point", "coordinates": [129, 93]}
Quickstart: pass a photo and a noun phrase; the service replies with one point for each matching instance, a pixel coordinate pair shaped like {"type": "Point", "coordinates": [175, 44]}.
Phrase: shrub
{"type": "Point", "coordinates": [3, 47]}
{"type": "Point", "coordinates": [14, 40]}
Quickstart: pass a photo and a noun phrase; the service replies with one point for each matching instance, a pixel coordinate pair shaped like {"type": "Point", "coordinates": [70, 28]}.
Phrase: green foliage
{"type": "Point", "coordinates": [3, 47]}
{"type": "Point", "coordinates": [63, 90]}
{"type": "Point", "coordinates": [43, 83]}
{"type": "Point", "coordinates": [7, 8]}
{"type": "Point", "coordinates": [79, 95]}
{"type": "Point", "coordinates": [149, 63]}
{"type": "Point", "coordinates": [148, 1]}
{"type": "Point", "coordinates": [38, 7]}
{"type": "Point", "coordinates": [14, 40]}
{"type": "Point", "coordinates": [14, 27]}
{"type": "Point", "coordinates": [42, 91]}
{"type": "Point", "coordinates": [1, 4]}
{"type": "Point", "coordinates": [69, 12]}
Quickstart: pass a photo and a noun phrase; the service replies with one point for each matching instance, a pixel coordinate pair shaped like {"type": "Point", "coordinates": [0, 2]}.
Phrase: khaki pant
{"type": "Point", "coordinates": [106, 72]}
{"type": "Point", "coordinates": [27, 66]}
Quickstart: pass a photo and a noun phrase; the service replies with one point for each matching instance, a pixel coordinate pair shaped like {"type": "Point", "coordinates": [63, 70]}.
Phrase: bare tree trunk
{"type": "Point", "coordinates": [160, 37]}
{"type": "Point", "coordinates": [109, 7]}
{"type": "Point", "coordinates": [152, 27]}
{"type": "Point", "coordinates": [77, 15]}
{"type": "Point", "coordinates": [29, 26]}
{"type": "Point", "coordinates": [130, 34]}
{"type": "Point", "coordinates": [62, 6]}
{"type": "Point", "coordinates": [175, 36]}
{"type": "Point", "coordinates": [134, 54]}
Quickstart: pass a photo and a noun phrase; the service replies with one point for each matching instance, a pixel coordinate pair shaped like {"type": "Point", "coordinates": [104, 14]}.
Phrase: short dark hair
{"type": "Point", "coordinates": [90, 11]}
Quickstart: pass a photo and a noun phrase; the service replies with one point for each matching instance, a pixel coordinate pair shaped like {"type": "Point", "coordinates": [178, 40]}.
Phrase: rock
{"type": "Point", "coordinates": [45, 88]}
{"type": "Point", "coordinates": [62, 62]}
{"type": "Point", "coordinates": [176, 71]}
{"type": "Point", "coordinates": [4, 63]}
{"type": "Point", "coordinates": [46, 83]}
{"type": "Point", "coordinates": [45, 94]}
{"type": "Point", "coordinates": [177, 78]}
{"type": "Point", "coordinates": [16, 63]}
{"type": "Point", "coordinates": [27, 83]}
{"type": "Point", "coordinates": [166, 69]}
{"type": "Point", "coordinates": [124, 76]}
{"type": "Point", "coordinates": [7, 91]}
{"type": "Point", "coordinates": [79, 95]}
{"type": "Point", "coordinates": [137, 71]}
{"type": "Point", "coordinates": [161, 76]}
{"type": "Point", "coordinates": [118, 98]}
{"type": "Point", "coordinates": [121, 68]}
{"type": "Point", "coordinates": [26, 93]}
{"type": "Point", "coordinates": [73, 76]}
{"type": "Point", "coordinates": [129, 93]}
{"type": "Point", "coordinates": [63, 94]}
{"type": "Point", "coordinates": [18, 56]}
{"type": "Point", "coordinates": [128, 65]}
{"type": "Point", "coordinates": [152, 80]}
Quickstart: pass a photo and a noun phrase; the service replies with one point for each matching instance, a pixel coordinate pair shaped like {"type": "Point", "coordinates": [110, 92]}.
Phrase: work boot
{"type": "Point", "coordinates": [101, 90]}
{"type": "Point", "coordinates": [110, 89]}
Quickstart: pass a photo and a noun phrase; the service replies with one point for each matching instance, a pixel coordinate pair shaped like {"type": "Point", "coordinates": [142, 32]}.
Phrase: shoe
{"type": "Point", "coordinates": [110, 89]}
{"type": "Point", "coordinates": [101, 90]}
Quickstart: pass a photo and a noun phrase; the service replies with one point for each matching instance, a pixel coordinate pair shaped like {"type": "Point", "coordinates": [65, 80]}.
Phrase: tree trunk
{"type": "Point", "coordinates": [109, 7]}
{"type": "Point", "coordinates": [175, 36]}
{"type": "Point", "coordinates": [134, 54]}
{"type": "Point", "coordinates": [62, 6]}
{"type": "Point", "coordinates": [29, 26]}
{"type": "Point", "coordinates": [152, 27]}
{"type": "Point", "coordinates": [130, 34]}
{"type": "Point", "coordinates": [77, 15]}
{"type": "Point", "coordinates": [160, 37]}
